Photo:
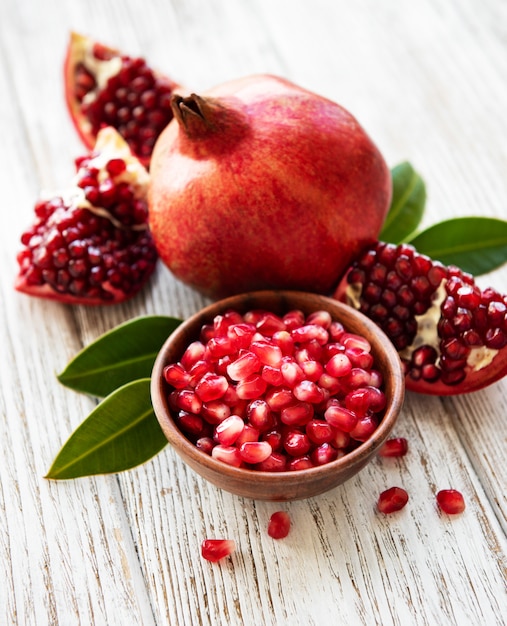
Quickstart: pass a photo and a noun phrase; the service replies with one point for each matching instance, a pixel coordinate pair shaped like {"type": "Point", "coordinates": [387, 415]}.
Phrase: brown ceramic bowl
{"type": "Point", "coordinates": [287, 485]}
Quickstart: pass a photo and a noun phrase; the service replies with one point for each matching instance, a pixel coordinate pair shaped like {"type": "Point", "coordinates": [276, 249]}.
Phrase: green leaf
{"type": "Point", "coordinates": [119, 434]}
{"type": "Point", "coordinates": [119, 356]}
{"type": "Point", "coordinates": [407, 204]}
{"type": "Point", "coordinates": [475, 244]}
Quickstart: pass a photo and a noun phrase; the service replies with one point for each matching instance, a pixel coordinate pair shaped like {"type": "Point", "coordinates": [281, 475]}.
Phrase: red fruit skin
{"type": "Point", "coordinates": [282, 192]}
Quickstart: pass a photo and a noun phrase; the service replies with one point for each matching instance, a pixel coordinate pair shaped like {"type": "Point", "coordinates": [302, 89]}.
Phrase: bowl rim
{"type": "Point", "coordinates": [182, 444]}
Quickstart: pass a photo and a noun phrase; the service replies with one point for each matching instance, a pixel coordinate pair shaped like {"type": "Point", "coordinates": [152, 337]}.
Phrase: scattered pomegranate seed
{"type": "Point", "coordinates": [276, 393]}
{"type": "Point", "coordinates": [398, 446]}
{"type": "Point", "coordinates": [391, 500]}
{"type": "Point", "coordinates": [216, 549]}
{"type": "Point", "coordinates": [451, 501]}
{"type": "Point", "coordinates": [279, 525]}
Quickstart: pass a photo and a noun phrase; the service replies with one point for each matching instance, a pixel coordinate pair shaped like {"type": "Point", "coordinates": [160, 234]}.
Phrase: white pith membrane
{"type": "Point", "coordinates": [427, 329]}
{"type": "Point", "coordinates": [102, 70]}
{"type": "Point", "coordinates": [109, 145]}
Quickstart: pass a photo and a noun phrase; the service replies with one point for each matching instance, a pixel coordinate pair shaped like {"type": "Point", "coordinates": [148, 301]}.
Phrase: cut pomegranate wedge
{"type": "Point", "coordinates": [104, 87]}
{"type": "Point", "coordinates": [450, 334]}
{"type": "Point", "coordinates": [90, 243]}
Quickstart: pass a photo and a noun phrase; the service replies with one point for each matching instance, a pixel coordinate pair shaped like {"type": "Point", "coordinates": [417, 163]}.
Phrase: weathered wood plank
{"type": "Point", "coordinates": [428, 83]}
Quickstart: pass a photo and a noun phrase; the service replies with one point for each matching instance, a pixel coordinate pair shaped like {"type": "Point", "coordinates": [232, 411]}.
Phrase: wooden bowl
{"type": "Point", "coordinates": [287, 485]}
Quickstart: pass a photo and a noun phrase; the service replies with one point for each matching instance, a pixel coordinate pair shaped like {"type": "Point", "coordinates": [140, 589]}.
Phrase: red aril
{"type": "Point", "coordinates": [397, 446]}
{"type": "Point", "coordinates": [286, 423]}
{"type": "Point", "coordinates": [451, 501]}
{"type": "Point", "coordinates": [450, 334]}
{"type": "Point", "coordinates": [260, 183]}
{"type": "Point", "coordinates": [90, 243]}
{"type": "Point", "coordinates": [279, 525]}
{"type": "Point", "coordinates": [105, 87]}
{"type": "Point", "coordinates": [392, 500]}
{"type": "Point", "coordinates": [216, 549]}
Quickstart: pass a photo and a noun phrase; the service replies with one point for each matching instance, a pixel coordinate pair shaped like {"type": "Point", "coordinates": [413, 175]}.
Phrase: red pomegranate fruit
{"type": "Point", "coordinates": [262, 184]}
{"type": "Point", "coordinates": [90, 244]}
{"type": "Point", "coordinates": [450, 334]}
{"type": "Point", "coordinates": [105, 87]}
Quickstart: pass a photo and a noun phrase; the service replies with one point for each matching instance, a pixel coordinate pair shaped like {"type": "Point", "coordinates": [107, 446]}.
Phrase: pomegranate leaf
{"type": "Point", "coordinates": [407, 204]}
{"type": "Point", "coordinates": [119, 434]}
{"type": "Point", "coordinates": [125, 353]}
{"type": "Point", "coordinates": [475, 244]}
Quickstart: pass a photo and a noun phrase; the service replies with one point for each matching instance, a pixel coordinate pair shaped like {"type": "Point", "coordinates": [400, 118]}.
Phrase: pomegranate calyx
{"type": "Point", "coordinates": [192, 113]}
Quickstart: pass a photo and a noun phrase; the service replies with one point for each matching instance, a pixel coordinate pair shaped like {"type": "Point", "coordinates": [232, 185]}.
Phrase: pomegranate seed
{"type": "Point", "coordinates": [189, 401]}
{"type": "Point", "coordinates": [211, 387]}
{"type": "Point", "coordinates": [268, 353]}
{"type": "Point", "coordinates": [259, 415]}
{"type": "Point", "coordinates": [296, 443]}
{"type": "Point", "coordinates": [229, 430]}
{"type": "Point", "coordinates": [215, 411]}
{"type": "Point", "coordinates": [205, 444]}
{"type": "Point", "coordinates": [325, 453]}
{"type": "Point", "coordinates": [297, 414]}
{"type": "Point", "coordinates": [299, 463]}
{"type": "Point", "coordinates": [308, 391]}
{"type": "Point", "coordinates": [227, 454]}
{"type": "Point", "coordinates": [176, 375]}
{"type": "Point", "coordinates": [216, 549]}
{"type": "Point", "coordinates": [279, 525]}
{"type": "Point", "coordinates": [277, 462]}
{"type": "Point", "coordinates": [255, 451]}
{"type": "Point", "coordinates": [391, 500]}
{"type": "Point", "coordinates": [251, 388]}
{"type": "Point", "coordinates": [341, 417]}
{"type": "Point", "coordinates": [244, 366]}
{"type": "Point", "coordinates": [291, 372]}
{"type": "Point", "coordinates": [338, 365]}
{"type": "Point", "coordinates": [398, 446]}
{"type": "Point", "coordinates": [364, 428]}
{"type": "Point", "coordinates": [319, 431]}
{"type": "Point", "coordinates": [450, 501]}
{"type": "Point", "coordinates": [249, 433]}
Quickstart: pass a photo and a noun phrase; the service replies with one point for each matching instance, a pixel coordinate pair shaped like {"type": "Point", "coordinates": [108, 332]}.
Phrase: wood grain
{"type": "Point", "coordinates": [427, 81]}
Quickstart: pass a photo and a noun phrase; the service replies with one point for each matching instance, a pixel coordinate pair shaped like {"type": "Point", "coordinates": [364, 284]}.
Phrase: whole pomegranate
{"type": "Point", "coordinates": [262, 184]}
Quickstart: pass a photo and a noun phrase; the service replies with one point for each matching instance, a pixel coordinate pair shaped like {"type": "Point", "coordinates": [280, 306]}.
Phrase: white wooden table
{"type": "Point", "coordinates": [428, 80]}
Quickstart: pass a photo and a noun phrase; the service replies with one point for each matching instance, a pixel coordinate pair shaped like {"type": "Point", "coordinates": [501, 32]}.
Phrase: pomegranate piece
{"type": "Point", "coordinates": [450, 334]}
{"type": "Point", "coordinates": [451, 501]}
{"type": "Point", "coordinates": [397, 446]}
{"type": "Point", "coordinates": [391, 500]}
{"type": "Point", "coordinates": [90, 244]}
{"type": "Point", "coordinates": [105, 87]}
{"type": "Point", "coordinates": [292, 421]}
{"type": "Point", "coordinates": [216, 549]}
{"type": "Point", "coordinates": [279, 525]}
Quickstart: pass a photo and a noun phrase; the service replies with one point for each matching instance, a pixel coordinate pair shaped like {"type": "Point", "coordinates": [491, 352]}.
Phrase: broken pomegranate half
{"type": "Point", "coordinates": [105, 87]}
{"type": "Point", "coordinates": [450, 334]}
{"type": "Point", "coordinates": [90, 243]}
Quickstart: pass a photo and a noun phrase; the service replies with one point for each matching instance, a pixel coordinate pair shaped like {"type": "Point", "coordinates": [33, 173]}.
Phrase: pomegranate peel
{"type": "Point", "coordinates": [90, 243]}
{"type": "Point", "coordinates": [105, 87]}
{"type": "Point", "coordinates": [450, 334]}
{"type": "Point", "coordinates": [259, 183]}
